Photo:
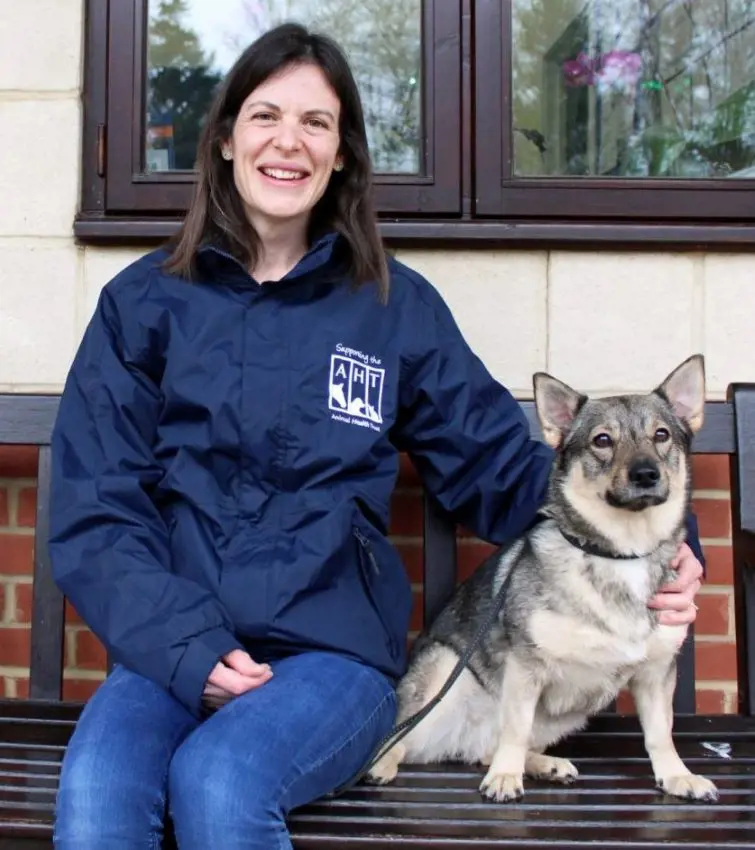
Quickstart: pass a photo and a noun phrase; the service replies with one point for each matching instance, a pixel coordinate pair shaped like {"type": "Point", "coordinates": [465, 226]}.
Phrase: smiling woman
{"type": "Point", "coordinates": [284, 151]}
{"type": "Point", "coordinates": [282, 160]}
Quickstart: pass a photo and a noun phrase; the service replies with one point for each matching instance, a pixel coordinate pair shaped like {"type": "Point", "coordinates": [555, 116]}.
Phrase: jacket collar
{"type": "Point", "coordinates": [216, 258]}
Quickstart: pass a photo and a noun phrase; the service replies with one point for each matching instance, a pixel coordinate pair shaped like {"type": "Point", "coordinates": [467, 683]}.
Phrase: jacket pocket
{"type": "Point", "coordinates": [369, 568]}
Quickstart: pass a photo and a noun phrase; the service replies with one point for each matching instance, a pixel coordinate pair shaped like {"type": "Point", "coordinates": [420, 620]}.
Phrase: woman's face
{"type": "Point", "coordinates": [285, 145]}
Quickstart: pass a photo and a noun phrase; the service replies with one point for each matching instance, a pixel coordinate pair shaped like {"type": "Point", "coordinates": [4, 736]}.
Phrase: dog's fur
{"type": "Point", "coordinates": [575, 627]}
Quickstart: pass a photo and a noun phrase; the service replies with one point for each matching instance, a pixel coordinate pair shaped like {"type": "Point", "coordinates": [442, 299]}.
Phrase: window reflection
{"type": "Point", "coordinates": [634, 88]}
{"type": "Point", "coordinates": [192, 43]}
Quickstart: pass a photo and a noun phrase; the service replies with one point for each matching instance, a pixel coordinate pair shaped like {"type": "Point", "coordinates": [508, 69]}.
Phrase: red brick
{"type": "Point", "coordinates": [22, 688]}
{"type": "Point", "coordinates": [72, 616]}
{"type": "Point", "coordinates": [18, 461]}
{"type": "Point", "coordinates": [79, 690]}
{"type": "Point", "coordinates": [411, 555]}
{"type": "Point", "coordinates": [713, 616]}
{"type": "Point", "coordinates": [710, 702]}
{"type": "Point", "coordinates": [719, 565]}
{"type": "Point", "coordinates": [714, 517]}
{"type": "Point", "coordinates": [90, 653]}
{"type": "Point", "coordinates": [470, 554]}
{"type": "Point", "coordinates": [27, 507]}
{"type": "Point", "coordinates": [625, 703]}
{"type": "Point", "coordinates": [3, 592]}
{"type": "Point", "coordinates": [15, 646]}
{"type": "Point", "coordinates": [715, 661]}
{"type": "Point", "coordinates": [16, 554]}
{"type": "Point", "coordinates": [4, 509]}
{"type": "Point", "coordinates": [22, 613]}
{"type": "Point", "coordinates": [406, 514]}
{"type": "Point", "coordinates": [3, 689]}
{"type": "Point", "coordinates": [710, 472]}
{"type": "Point", "coordinates": [407, 473]}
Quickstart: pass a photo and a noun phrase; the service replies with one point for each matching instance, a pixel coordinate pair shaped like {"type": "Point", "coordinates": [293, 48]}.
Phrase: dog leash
{"type": "Point", "coordinates": [405, 727]}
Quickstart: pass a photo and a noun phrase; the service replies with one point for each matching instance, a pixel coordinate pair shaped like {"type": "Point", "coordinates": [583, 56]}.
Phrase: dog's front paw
{"type": "Point", "coordinates": [690, 786]}
{"type": "Point", "coordinates": [551, 768]}
{"type": "Point", "coordinates": [386, 769]}
{"type": "Point", "coordinates": [502, 787]}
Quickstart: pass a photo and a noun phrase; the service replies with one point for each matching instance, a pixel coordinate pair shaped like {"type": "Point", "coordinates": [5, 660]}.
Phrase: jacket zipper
{"type": "Point", "coordinates": [367, 548]}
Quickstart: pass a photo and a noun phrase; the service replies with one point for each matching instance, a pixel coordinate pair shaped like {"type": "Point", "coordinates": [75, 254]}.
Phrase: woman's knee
{"type": "Point", "coordinates": [219, 790]}
{"type": "Point", "coordinates": [113, 779]}
{"type": "Point", "coordinates": [106, 802]}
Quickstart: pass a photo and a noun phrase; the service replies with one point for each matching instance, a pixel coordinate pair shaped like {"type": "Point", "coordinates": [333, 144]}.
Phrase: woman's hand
{"type": "Point", "coordinates": [236, 674]}
{"type": "Point", "coordinates": [676, 601]}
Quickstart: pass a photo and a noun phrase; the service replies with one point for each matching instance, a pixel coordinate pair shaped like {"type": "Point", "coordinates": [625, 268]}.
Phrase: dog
{"type": "Point", "coordinates": [575, 626]}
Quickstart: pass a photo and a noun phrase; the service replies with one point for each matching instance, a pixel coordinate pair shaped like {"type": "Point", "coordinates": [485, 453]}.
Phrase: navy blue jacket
{"type": "Point", "coordinates": [225, 452]}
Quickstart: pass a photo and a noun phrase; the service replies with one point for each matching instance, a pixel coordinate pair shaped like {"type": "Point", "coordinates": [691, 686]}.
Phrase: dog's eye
{"type": "Point", "coordinates": [602, 441]}
{"type": "Point", "coordinates": [661, 435]}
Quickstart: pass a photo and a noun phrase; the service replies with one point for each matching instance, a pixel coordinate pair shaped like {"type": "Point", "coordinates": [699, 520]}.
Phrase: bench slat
{"type": "Point", "coordinates": [685, 695]}
{"type": "Point", "coordinates": [27, 420]}
{"type": "Point", "coordinates": [439, 559]}
{"type": "Point", "coordinates": [48, 603]}
{"type": "Point", "coordinates": [742, 473]}
{"type": "Point", "coordinates": [717, 436]}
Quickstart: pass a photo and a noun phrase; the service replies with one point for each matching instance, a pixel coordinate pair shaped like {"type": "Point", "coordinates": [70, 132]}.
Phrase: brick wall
{"type": "Point", "coordinates": [85, 658]}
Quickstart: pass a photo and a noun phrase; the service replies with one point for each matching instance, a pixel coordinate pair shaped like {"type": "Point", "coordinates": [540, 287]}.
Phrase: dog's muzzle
{"type": "Point", "coordinates": [644, 488]}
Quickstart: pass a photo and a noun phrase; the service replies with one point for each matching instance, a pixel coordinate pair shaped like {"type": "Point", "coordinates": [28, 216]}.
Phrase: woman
{"type": "Point", "coordinates": [226, 447]}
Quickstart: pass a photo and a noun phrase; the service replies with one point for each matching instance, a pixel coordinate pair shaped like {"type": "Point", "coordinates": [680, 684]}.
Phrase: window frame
{"type": "Point", "coordinates": [466, 203]}
{"type": "Point", "coordinates": [501, 194]}
{"type": "Point", "coordinates": [117, 30]}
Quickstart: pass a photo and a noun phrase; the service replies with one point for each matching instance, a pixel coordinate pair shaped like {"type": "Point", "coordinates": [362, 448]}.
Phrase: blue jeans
{"type": "Point", "coordinates": [228, 781]}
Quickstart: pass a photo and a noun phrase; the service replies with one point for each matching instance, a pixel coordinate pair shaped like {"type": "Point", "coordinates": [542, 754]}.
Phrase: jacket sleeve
{"type": "Point", "coordinates": [470, 439]}
{"type": "Point", "coordinates": [693, 539]}
{"type": "Point", "coordinates": [109, 545]}
{"type": "Point", "coordinates": [466, 434]}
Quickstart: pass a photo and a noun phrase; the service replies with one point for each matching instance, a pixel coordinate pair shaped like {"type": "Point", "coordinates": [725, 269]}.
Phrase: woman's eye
{"type": "Point", "coordinates": [316, 123]}
{"type": "Point", "coordinates": [602, 441]}
{"type": "Point", "coordinates": [263, 116]}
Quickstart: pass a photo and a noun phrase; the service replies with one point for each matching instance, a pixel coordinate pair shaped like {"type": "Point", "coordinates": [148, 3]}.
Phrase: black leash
{"type": "Point", "coordinates": [405, 727]}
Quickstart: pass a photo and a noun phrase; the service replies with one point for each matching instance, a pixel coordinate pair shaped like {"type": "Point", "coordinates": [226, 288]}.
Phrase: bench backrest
{"type": "Point", "coordinates": [729, 429]}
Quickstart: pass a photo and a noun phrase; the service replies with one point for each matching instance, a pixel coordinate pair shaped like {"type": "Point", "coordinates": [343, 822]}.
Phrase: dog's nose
{"type": "Point", "coordinates": [644, 473]}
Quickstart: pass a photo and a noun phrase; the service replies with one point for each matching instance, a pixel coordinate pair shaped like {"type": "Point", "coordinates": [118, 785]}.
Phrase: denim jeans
{"type": "Point", "coordinates": [228, 781]}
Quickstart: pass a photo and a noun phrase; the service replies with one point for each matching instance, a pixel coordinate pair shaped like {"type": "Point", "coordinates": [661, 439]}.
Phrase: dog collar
{"type": "Point", "coordinates": [589, 549]}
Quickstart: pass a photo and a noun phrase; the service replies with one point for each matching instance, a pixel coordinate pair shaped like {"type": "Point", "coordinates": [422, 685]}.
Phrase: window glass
{"type": "Point", "coordinates": [634, 88]}
{"type": "Point", "coordinates": [193, 43]}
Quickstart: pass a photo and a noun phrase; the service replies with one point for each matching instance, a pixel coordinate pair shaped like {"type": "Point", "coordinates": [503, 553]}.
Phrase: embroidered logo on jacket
{"type": "Point", "coordinates": [355, 393]}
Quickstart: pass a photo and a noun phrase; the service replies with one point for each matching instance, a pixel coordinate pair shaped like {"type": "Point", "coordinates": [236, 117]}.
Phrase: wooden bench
{"type": "Point", "coordinates": [613, 804]}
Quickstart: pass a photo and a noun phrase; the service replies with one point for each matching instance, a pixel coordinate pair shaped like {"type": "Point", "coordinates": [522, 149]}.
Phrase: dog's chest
{"type": "Point", "coordinates": [601, 624]}
{"type": "Point", "coordinates": [565, 640]}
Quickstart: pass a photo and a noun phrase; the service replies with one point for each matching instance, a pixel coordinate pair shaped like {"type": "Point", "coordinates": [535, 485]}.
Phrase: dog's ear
{"type": "Point", "coordinates": [684, 390]}
{"type": "Point", "coordinates": [557, 404]}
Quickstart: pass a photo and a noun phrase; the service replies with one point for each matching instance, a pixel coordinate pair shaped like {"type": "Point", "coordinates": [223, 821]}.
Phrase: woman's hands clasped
{"type": "Point", "coordinates": [234, 675]}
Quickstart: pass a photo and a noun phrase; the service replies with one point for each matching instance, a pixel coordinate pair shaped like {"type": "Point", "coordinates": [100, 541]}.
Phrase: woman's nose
{"type": "Point", "coordinates": [287, 137]}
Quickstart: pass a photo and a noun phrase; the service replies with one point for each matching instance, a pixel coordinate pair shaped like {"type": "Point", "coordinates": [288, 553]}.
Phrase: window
{"type": "Point", "coordinates": [518, 120]}
{"type": "Point", "coordinates": [619, 109]}
{"type": "Point", "coordinates": [152, 69]}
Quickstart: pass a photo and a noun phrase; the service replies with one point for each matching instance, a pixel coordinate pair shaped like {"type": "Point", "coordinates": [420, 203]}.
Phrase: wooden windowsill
{"type": "Point", "coordinates": [99, 230]}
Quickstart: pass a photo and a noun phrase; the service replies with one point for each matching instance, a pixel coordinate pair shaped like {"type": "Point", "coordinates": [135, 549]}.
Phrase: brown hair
{"type": "Point", "coordinates": [216, 213]}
